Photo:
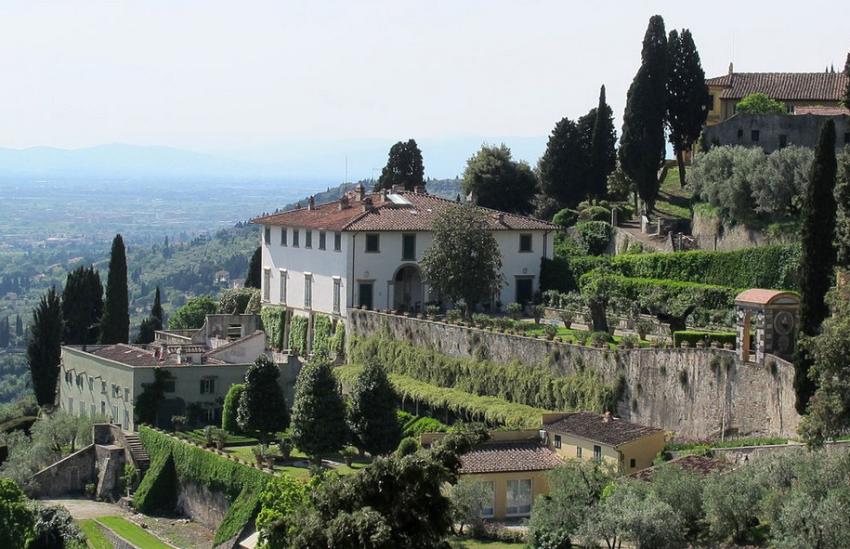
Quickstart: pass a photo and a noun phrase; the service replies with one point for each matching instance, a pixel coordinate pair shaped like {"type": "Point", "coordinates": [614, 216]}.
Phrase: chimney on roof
{"type": "Point", "coordinates": [367, 204]}
{"type": "Point", "coordinates": [419, 189]}
{"type": "Point", "coordinates": [606, 417]}
{"type": "Point", "coordinates": [343, 202]}
{"type": "Point", "coordinates": [397, 188]}
{"type": "Point", "coordinates": [383, 195]}
{"type": "Point", "coordinates": [730, 68]}
{"type": "Point", "coordinates": [311, 203]}
{"type": "Point", "coordinates": [359, 192]}
{"type": "Point", "coordinates": [472, 197]}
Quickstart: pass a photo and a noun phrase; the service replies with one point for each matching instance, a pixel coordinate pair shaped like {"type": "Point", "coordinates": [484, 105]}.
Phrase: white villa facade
{"type": "Point", "coordinates": [364, 251]}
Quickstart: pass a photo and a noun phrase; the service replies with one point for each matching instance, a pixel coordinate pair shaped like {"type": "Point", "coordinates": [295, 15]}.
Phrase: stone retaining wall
{"type": "Point", "coordinates": [67, 476]}
{"type": "Point", "coordinates": [695, 393]}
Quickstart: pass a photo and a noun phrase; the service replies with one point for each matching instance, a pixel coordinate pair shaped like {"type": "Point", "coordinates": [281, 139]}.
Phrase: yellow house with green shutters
{"type": "Point", "coordinates": [626, 446]}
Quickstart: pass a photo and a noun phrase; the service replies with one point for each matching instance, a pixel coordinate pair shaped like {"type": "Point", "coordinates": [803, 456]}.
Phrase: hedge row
{"type": "Point", "coordinates": [274, 324]}
{"type": "Point", "coordinates": [534, 386]}
{"type": "Point", "coordinates": [639, 289]}
{"type": "Point", "coordinates": [490, 410]}
{"type": "Point", "coordinates": [773, 267]}
{"type": "Point", "coordinates": [173, 460]}
{"type": "Point", "coordinates": [694, 336]}
{"type": "Point", "coordinates": [563, 273]}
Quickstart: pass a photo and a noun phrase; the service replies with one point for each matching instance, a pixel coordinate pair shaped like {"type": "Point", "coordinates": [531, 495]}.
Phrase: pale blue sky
{"type": "Point", "coordinates": [246, 77]}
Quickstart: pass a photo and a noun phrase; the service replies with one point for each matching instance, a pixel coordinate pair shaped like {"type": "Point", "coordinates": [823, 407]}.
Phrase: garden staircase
{"type": "Point", "coordinates": [137, 450]}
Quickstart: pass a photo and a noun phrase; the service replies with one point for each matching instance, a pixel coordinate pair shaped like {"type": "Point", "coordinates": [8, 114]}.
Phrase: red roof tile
{"type": "Point", "coordinates": [783, 86]}
{"type": "Point", "coordinates": [821, 110]}
{"type": "Point", "coordinates": [126, 354]}
{"type": "Point", "coordinates": [762, 297]}
{"type": "Point", "coordinates": [699, 465]}
{"type": "Point", "coordinates": [593, 426]}
{"type": "Point", "coordinates": [504, 457]}
{"type": "Point", "coordinates": [412, 212]}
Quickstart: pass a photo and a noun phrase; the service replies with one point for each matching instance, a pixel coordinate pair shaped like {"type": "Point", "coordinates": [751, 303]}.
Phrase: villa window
{"type": "Point", "coordinates": [267, 281]}
{"type": "Point", "coordinates": [754, 135]}
{"type": "Point", "coordinates": [283, 236]}
{"type": "Point", "coordinates": [294, 238]}
{"type": "Point", "coordinates": [488, 499]}
{"type": "Point", "coordinates": [103, 387]}
{"type": "Point", "coordinates": [322, 240]}
{"type": "Point", "coordinates": [519, 497]}
{"type": "Point", "coordinates": [783, 141]}
{"type": "Point", "coordinates": [337, 292]}
{"type": "Point", "coordinates": [267, 235]}
{"type": "Point", "coordinates": [103, 408]}
{"type": "Point", "coordinates": [372, 243]}
{"type": "Point", "coordinates": [408, 247]}
{"type": "Point", "coordinates": [740, 133]}
{"type": "Point", "coordinates": [632, 463]}
{"type": "Point", "coordinates": [91, 383]}
{"type": "Point", "coordinates": [208, 386]}
{"type": "Point", "coordinates": [283, 286]}
{"type": "Point", "coordinates": [308, 238]}
{"type": "Point", "coordinates": [308, 290]}
{"type": "Point", "coordinates": [93, 409]}
{"type": "Point", "coordinates": [114, 418]}
{"type": "Point", "coordinates": [337, 242]}
{"type": "Point", "coordinates": [710, 103]}
{"type": "Point", "coordinates": [597, 453]}
{"type": "Point", "coordinates": [557, 441]}
{"type": "Point", "coordinates": [525, 242]}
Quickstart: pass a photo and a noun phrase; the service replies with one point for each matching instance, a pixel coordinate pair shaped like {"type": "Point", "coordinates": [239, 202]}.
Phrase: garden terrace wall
{"type": "Point", "coordinates": [695, 393]}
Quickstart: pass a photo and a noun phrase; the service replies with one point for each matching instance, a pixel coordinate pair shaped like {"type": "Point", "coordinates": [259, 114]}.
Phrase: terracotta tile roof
{"type": "Point", "coordinates": [822, 110]}
{"type": "Point", "coordinates": [762, 297]}
{"type": "Point", "coordinates": [700, 465]}
{"type": "Point", "coordinates": [783, 86]}
{"type": "Point", "coordinates": [593, 426]}
{"type": "Point", "coordinates": [126, 354]}
{"type": "Point", "coordinates": [409, 211]}
{"type": "Point", "coordinates": [504, 457]}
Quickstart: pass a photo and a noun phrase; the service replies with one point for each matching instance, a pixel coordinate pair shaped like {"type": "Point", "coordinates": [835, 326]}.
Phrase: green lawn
{"type": "Point", "coordinates": [94, 536]}
{"type": "Point", "coordinates": [467, 543]}
{"type": "Point", "coordinates": [198, 436]}
{"type": "Point", "coordinates": [246, 453]}
{"type": "Point", "coordinates": [673, 200]}
{"type": "Point", "coordinates": [132, 533]}
{"type": "Point", "coordinates": [571, 334]}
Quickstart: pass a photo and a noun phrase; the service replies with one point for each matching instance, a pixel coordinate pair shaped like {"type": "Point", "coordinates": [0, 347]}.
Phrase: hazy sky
{"type": "Point", "coordinates": [226, 75]}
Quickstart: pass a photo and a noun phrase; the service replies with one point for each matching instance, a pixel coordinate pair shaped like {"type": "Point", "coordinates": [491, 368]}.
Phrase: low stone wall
{"type": "Point", "coordinates": [201, 504]}
{"type": "Point", "coordinates": [749, 454]}
{"type": "Point", "coordinates": [695, 393]}
{"type": "Point", "coordinates": [117, 541]}
{"type": "Point", "coordinates": [67, 476]}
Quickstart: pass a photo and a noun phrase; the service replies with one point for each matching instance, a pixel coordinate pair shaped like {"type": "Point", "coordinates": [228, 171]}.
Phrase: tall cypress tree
{"type": "Point", "coordinates": [156, 311]}
{"type": "Point", "coordinates": [82, 306]}
{"type": "Point", "coordinates": [115, 324]}
{"type": "Point", "coordinates": [847, 91]}
{"type": "Point", "coordinates": [603, 156]}
{"type": "Point", "coordinates": [19, 326]}
{"type": "Point", "coordinates": [563, 166]}
{"type": "Point", "coordinates": [44, 347]}
{"type": "Point", "coordinates": [372, 415]}
{"type": "Point", "coordinates": [4, 333]}
{"type": "Point", "coordinates": [255, 265]}
{"type": "Point", "coordinates": [818, 254]}
{"type": "Point", "coordinates": [642, 143]}
{"type": "Point", "coordinates": [687, 96]}
{"type": "Point", "coordinates": [318, 412]}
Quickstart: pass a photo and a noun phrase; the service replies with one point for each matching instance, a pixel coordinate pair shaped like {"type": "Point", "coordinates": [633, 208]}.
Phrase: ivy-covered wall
{"type": "Point", "coordinates": [298, 334]}
{"type": "Point", "coordinates": [174, 461]}
{"type": "Point", "coordinates": [274, 324]}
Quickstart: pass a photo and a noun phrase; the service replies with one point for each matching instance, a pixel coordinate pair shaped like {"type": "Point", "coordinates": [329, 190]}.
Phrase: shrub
{"type": "Point", "coordinates": [595, 213]}
{"type": "Point", "coordinates": [407, 446]}
{"type": "Point", "coordinates": [565, 218]}
{"type": "Point", "coordinates": [432, 310]}
{"type": "Point", "coordinates": [594, 236]}
{"type": "Point", "coordinates": [567, 318]}
{"type": "Point", "coordinates": [538, 311]}
{"type": "Point", "coordinates": [481, 320]}
{"type": "Point", "coordinates": [514, 310]}
{"type": "Point", "coordinates": [693, 336]}
{"type": "Point", "coordinates": [298, 334]}
{"type": "Point", "coordinates": [550, 331]}
{"type": "Point", "coordinates": [453, 315]}
{"type": "Point", "coordinates": [563, 272]}
{"type": "Point", "coordinates": [230, 408]}
{"type": "Point", "coordinates": [234, 301]}
{"type": "Point", "coordinates": [418, 425]}
{"type": "Point", "coordinates": [639, 289]}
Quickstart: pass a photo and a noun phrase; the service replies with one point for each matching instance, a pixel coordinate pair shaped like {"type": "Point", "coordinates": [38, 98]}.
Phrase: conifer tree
{"type": "Point", "coordinates": [847, 91]}
{"type": "Point", "coordinates": [563, 166]}
{"type": "Point", "coordinates": [262, 407]}
{"type": "Point", "coordinates": [44, 347]}
{"type": "Point", "coordinates": [156, 311]}
{"type": "Point", "coordinates": [498, 181]}
{"type": "Point", "coordinates": [82, 306]}
{"type": "Point", "coordinates": [818, 254]}
{"type": "Point", "coordinates": [19, 326]}
{"type": "Point", "coordinates": [318, 413]}
{"type": "Point", "coordinates": [603, 156]}
{"type": "Point", "coordinates": [4, 333]}
{"type": "Point", "coordinates": [404, 167]}
{"type": "Point", "coordinates": [115, 324]}
{"type": "Point", "coordinates": [372, 416]}
{"type": "Point", "coordinates": [687, 96]}
{"type": "Point", "coordinates": [254, 268]}
{"type": "Point", "coordinates": [642, 143]}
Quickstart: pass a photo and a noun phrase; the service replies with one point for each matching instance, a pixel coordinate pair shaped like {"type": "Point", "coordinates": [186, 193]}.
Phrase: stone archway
{"type": "Point", "coordinates": [408, 289]}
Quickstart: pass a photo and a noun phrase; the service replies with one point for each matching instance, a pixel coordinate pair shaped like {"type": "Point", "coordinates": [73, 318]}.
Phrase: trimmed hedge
{"type": "Point", "coordinates": [693, 336]}
{"type": "Point", "coordinates": [490, 410]}
{"type": "Point", "coordinates": [636, 289]}
{"type": "Point", "coordinates": [298, 334]}
{"type": "Point", "coordinates": [773, 267]}
{"type": "Point", "coordinates": [564, 272]}
{"type": "Point", "coordinates": [534, 386]}
{"type": "Point", "coordinates": [274, 324]}
{"type": "Point", "coordinates": [173, 460]}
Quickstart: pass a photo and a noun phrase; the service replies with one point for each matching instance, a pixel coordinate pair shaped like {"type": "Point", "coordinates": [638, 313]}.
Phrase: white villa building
{"type": "Point", "coordinates": [364, 251]}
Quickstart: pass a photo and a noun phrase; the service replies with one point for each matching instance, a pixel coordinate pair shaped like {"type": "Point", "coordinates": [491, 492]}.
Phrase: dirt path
{"type": "Point", "coordinates": [87, 508]}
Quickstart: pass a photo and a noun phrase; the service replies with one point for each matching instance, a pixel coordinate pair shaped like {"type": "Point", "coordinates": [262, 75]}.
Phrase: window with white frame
{"type": "Point", "coordinates": [283, 286]}
{"type": "Point", "coordinates": [114, 418]}
{"type": "Point", "coordinates": [208, 386]}
{"type": "Point", "coordinates": [308, 238]}
{"type": "Point", "coordinates": [597, 453]}
{"type": "Point", "coordinates": [267, 235]}
{"type": "Point", "coordinates": [267, 284]}
{"type": "Point", "coordinates": [578, 452]}
{"type": "Point", "coordinates": [488, 498]}
{"type": "Point", "coordinates": [308, 290]}
{"type": "Point", "coordinates": [283, 236]}
{"type": "Point", "coordinates": [322, 240]}
{"type": "Point", "coordinates": [294, 238]}
{"type": "Point", "coordinates": [519, 497]}
{"type": "Point", "coordinates": [93, 409]}
{"type": "Point", "coordinates": [557, 441]}
{"type": "Point", "coordinates": [102, 387]}
{"type": "Point", "coordinates": [337, 291]}
{"type": "Point", "coordinates": [337, 242]}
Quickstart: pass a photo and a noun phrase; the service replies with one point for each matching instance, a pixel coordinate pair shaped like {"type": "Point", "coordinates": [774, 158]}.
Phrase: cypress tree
{"type": "Point", "coordinates": [404, 167]}
{"type": "Point", "coordinates": [115, 324]}
{"type": "Point", "coordinates": [603, 156]}
{"type": "Point", "coordinates": [19, 326]}
{"type": "Point", "coordinates": [563, 166]}
{"type": "Point", "coordinates": [262, 407]}
{"type": "Point", "coordinates": [372, 415]}
{"type": "Point", "coordinates": [156, 311]}
{"type": "Point", "coordinates": [4, 333]}
{"type": "Point", "coordinates": [44, 347]}
{"type": "Point", "coordinates": [818, 254]}
{"type": "Point", "coordinates": [687, 96]}
{"type": "Point", "coordinates": [847, 91]}
{"type": "Point", "coordinates": [318, 413]}
{"type": "Point", "coordinates": [82, 306]}
{"type": "Point", "coordinates": [252, 280]}
{"type": "Point", "coordinates": [642, 143]}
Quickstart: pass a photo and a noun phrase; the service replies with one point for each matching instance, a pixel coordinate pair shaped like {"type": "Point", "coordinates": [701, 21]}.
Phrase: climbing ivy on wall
{"type": "Point", "coordinates": [298, 334]}
{"type": "Point", "coordinates": [173, 460]}
{"type": "Point", "coordinates": [322, 334]}
{"type": "Point", "coordinates": [274, 324]}
{"type": "Point", "coordinates": [338, 340]}
{"type": "Point", "coordinates": [532, 385]}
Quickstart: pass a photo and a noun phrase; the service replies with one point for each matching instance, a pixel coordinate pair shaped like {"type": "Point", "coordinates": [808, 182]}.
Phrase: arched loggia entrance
{"type": "Point", "coordinates": [408, 289]}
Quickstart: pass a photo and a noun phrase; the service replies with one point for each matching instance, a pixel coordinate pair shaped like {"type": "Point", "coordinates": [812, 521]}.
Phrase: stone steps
{"type": "Point", "coordinates": [137, 449]}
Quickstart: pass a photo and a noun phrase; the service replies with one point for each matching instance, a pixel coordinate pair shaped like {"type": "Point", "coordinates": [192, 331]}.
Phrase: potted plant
{"type": "Point", "coordinates": [220, 438]}
{"type": "Point", "coordinates": [285, 446]}
{"type": "Point", "coordinates": [348, 454]}
{"type": "Point", "coordinates": [567, 318]}
{"type": "Point", "coordinates": [258, 454]}
{"type": "Point", "coordinates": [538, 312]}
{"type": "Point", "coordinates": [208, 436]}
{"type": "Point", "coordinates": [643, 327]}
{"type": "Point", "coordinates": [550, 331]}
{"type": "Point", "coordinates": [514, 310]}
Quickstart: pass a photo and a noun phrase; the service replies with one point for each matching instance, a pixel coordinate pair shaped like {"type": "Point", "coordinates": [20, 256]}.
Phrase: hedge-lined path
{"type": "Point", "coordinates": [177, 531]}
